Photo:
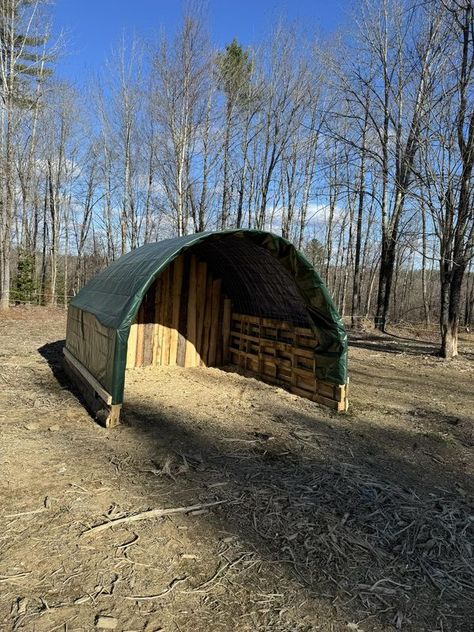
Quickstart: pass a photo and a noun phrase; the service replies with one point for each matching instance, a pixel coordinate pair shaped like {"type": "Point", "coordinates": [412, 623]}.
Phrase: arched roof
{"type": "Point", "coordinates": [238, 256]}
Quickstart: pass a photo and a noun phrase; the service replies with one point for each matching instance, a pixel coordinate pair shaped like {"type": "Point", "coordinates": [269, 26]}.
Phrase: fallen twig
{"type": "Point", "coordinates": [152, 513]}
{"type": "Point", "coordinates": [131, 542]}
{"type": "Point", "coordinates": [9, 578]}
{"type": "Point", "coordinates": [26, 513]}
{"type": "Point", "coordinates": [223, 567]}
{"type": "Point", "coordinates": [171, 586]}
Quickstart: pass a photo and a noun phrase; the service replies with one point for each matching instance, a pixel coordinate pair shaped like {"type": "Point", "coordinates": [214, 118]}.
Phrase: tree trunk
{"type": "Point", "coordinates": [5, 233]}
{"type": "Point", "coordinates": [225, 177]}
{"type": "Point", "coordinates": [5, 275]}
{"type": "Point", "coordinates": [469, 307]}
{"type": "Point", "coordinates": [426, 307]}
{"type": "Point", "coordinates": [243, 174]}
{"type": "Point", "coordinates": [380, 314]}
{"type": "Point", "coordinates": [356, 284]}
{"type": "Point", "coordinates": [451, 284]}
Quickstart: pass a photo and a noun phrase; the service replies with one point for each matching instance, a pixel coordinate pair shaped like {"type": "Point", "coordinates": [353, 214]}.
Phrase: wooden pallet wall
{"type": "Point", "coordinates": [183, 320]}
{"type": "Point", "coordinates": [281, 353]}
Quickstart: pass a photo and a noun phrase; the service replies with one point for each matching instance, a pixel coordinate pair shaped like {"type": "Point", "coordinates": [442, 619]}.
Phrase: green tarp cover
{"type": "Point", "coordinates": [102, 312]}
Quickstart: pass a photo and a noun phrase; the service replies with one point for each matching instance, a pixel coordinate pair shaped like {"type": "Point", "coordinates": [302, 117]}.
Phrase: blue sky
{"type": "Point", "coordinates": [93, 27]}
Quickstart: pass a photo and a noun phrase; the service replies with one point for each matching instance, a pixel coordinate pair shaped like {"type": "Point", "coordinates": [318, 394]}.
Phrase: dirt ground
{"type": "Point", "coordinates": [328, 522]}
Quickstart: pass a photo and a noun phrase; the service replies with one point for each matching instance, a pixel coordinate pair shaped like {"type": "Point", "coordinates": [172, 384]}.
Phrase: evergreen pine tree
{"type": "Point", "coordinates": [25, 286]}
{"type": "Point", "coordinates": [22, 68]}
{"type": "Point", "coordinates": [22, 56]}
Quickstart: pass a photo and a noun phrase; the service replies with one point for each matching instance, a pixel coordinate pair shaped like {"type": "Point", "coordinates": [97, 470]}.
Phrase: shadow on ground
{"type": "Point", "coordinates": [393, 343]}
{"type": "Point", "coordinates": [378, 538]}
{"type": "Point", "coordinates": [369, 533]}
{"type": "Point", "coordinates": [52, 352]}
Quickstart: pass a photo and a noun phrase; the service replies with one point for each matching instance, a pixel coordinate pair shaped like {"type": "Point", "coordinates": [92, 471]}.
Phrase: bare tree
{"type": "Point", "coordinates": [448, 165]}
{"type": "Point", "coordinates": [179, 105]}
{"type": "Point", "coordinates": [22, 65]}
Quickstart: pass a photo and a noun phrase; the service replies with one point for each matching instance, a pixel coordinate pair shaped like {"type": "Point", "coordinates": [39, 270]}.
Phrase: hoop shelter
{"type": "Point", "coordinates": [240, 297]}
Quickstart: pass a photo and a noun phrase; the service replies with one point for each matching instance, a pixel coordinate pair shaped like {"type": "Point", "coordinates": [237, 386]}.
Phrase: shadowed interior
{"type": "Point", "coordinates": [256, 282]}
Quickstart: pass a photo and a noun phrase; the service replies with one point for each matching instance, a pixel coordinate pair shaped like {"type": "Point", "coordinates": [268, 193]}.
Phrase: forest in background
{"type": "Point", "coordinates": [359, 148]}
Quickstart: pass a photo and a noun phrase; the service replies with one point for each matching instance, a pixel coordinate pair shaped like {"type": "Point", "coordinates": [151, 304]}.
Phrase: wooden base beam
{"type": "Point", "coordinates": [98, 401]}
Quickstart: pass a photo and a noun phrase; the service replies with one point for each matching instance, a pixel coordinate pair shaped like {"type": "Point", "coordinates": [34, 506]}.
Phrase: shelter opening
{"type": "Point", "coordinates": [239, 298]}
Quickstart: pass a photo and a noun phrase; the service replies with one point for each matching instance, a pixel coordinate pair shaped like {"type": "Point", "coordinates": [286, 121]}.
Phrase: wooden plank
{"type": "Point", "coordinates": [271, 359]}
{"type": "Point", "coordinates": [275, 324]}
{"type": "Point", "coordinates": [328, 390]}
{"type": "Point", "coordinates": [200, 308]}
{"type": "Point", "coordinates": [132, 346]}
{"type": "Point", "coordinates": [181, 350]}
{"type": "Point", "coordinates": [307, 384]}
{"type": "Point", "coordinates": [156, 325]}
{"type": "Point", "coordinates": [304, 331]}
{"type": "Point", "coordinates": [236, 324]}
{"type": "Point", "coordinates": [276, 344]}
{"type": "Point", "coordinates": [113, 418]}
{"type": "Point", "coordinates": [304, 373]}
{"type": "Point", "coordinates": [242, 347]}
{"type": "Point", "coordinates": [162, 316]}
{"type": "Point", "coordinates": [226, 321]}
{"type": "Point", "coordinates": [87, 375]}
{"type": "Point", "coordinates": [191, 355]}
{"type": "Point", "coordinates": [107, 415]}
{"type": "Point", "coordinates": [343, 397]}
{"type": "Point", "coordinates": [234, 357]}
{"type": "Point", "coordinates": [149, 318]}
{"type": "Point", "coordinates": [246, 318]}
{"type": "Point", "coordinates": [304, 353]}
{"type": "Point", "coordinates": [283, 346]}
{"type": "Point", "coordinates": [148, 344]}
{"type": "Point", "coordinates": [167, 317]}
{"type": "Point", "coordinates": [216, 295]}
{"type": "Point", "coordinates": [176, 304]}
{"type": "Point", "coordinates": [207, 322]}
{"type": "Point", "coordinates": [326, 401]}
{"type": "Point", "coordinates": [220, 321]}
{"type": "Point", "coordinates": [183, 314]}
